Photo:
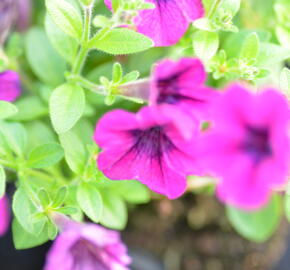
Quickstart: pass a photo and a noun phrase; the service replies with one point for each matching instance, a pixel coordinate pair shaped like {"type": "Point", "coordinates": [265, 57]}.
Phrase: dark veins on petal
{"type": "Point", "coordinates": [152, 142]}
{"type": "Point", "coordinates": [257, 144]}
{"type": "Point", "coordinates": [86, 254]}
{"type": "Point", "coordinates": [168, 90]}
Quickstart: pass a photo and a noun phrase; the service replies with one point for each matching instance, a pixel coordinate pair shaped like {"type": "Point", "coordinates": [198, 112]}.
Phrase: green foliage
{"type": "Point", "coordinates": [66, 17]}
{"type": "Point", "coordinates": [259, 225]}
{"type": "Point", "coordinates": [66, 106]}
{"type": "Point", "coordinates": [7, 109]}
{"type": "Point", "coordinates": [47, 65]}
{"type": "Point", "coordinates": [45, 155]}
{"type": "Point", "coordinates": [285, 82]}
{"type": "Point", "coordinates": [90, 201]}
{"type": "Point", "coordinates": [120, 41]}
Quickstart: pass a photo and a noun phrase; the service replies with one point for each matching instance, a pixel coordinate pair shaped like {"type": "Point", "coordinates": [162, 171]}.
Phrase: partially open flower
{"type": "Point", "coordinates": [87, 247]}
{"type": "Point", "coordinates": [151, 146]}
{"type": "Point", "coordinates": [180, 85]}
{"type": "Point", "coordinates": [10, 87]}
{"type": "Point", "coordinates": [168, 21]}
{"type": "Point", "coordinates": [4, 215]}
{"type": "Point", "coordinates": [249, 147]}
{"type": "Point", "coordinates": [8, 11]}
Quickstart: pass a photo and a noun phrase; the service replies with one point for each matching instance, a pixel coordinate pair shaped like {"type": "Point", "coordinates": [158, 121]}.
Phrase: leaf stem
{"type": "Point", "coordinates": [84, 50]}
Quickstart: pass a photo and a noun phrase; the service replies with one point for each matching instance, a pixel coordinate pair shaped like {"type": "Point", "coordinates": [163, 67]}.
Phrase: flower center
{"type": "Point", "coordinates": [257, 144]}
{"type": "Point", "coordinates": [152, 141]}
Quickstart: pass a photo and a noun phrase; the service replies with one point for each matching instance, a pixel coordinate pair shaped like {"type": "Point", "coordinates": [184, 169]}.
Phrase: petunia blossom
{"type": "Point", "coordinates": [10, 87]}
{"type": "Point", "coordinates": [4, 215]}
{"type": "Point", "coordinates": [87, 247]}
{"type": "Point", "coordinates": [149, 146]}
{"type": "Point", "coordinates": [168, 21]}
{"type": "Point", "coordinates": [248, 147]}
{"type": "Point", "coordinates": [180, 85]}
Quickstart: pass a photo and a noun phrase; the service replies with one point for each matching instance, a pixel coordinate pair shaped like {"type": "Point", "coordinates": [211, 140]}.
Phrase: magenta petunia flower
{"type": "Point", "coordinates": [4, 215]}
{"type": "Point", "coordinates": [180, 85]}
{"type": "Point", "coordinates": [87, 247]}
{"type": "Point", "coordinates": [10, 87]}
{"type": "Point", "coordinates": [248, 147]}
{"type": "Point", "coordinates": [168, 21]}
{"type": "Point", "coordinates": [150, 146]}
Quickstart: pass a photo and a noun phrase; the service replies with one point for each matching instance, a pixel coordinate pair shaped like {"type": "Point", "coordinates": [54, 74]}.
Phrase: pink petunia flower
{"type": "Point", "coordinates": [168, 21]}
{"type": "Point", "coordinates": [149, 146]}
{"type": "Point", "coordinates": [180, 85]}
{"type": "Point", "coordinates": [87, 247]}
{"type": "Point", "coordinates": [10, 87]}
{"type": "Point", "coordinates": [4, 215]}
{"type": "Point", "coordinates": [248, 147]}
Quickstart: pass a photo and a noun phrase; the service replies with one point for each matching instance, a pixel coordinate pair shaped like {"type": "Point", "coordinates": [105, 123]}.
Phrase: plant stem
{"type": "Point", "coordinates": [84, 50]}
{"type": "Point", "coordinates": [214, 7]}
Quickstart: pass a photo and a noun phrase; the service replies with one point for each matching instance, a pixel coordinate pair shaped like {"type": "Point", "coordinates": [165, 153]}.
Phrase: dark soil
{"type": "Point", "coordinates": [193, 233]}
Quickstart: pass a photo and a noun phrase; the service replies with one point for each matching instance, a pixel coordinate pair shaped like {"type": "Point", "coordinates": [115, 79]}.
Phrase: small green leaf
{"type": "Point", "coordinates": [131, 76]}
{"type": "Point", "coordinates": [114, 212]}
{"type": "Point", "coordinates": [45, 155]}
{"type": "Point", "coordinates": [121, 41]}
{"type": "Point", "coordinates": [7, 109]}
{"type": "Point", "coordinates": [250, 48]}
{"type": "Point", "coordinates": [64, 44]}
{"type": "Point", "coordinates": [60, 197]}
{"type": "Point", "coordinates": [44, 197]}
{"type": "Point", "coordinates": [51, 230]}
{"type": "Point", "coordinates": [205, 44]}
{"type": "Point", "coordinates": [2, 181]}
{"type": "Point", "coordinates": [66, 17]}
{"type": "Point", "coordinates": [30, 108]}
{"type": "Point", "coordinates": [90, 201]}
{"type": "Point", "coordinates": [24, 240]}
{"type": "Point", "coordinates": [47, 65]}
{"type": "Point", "coordinates": [117, 72]}
{"type": "Point", "coordinates": [23, 210]}
{"type": "Point", "coordinates": [75, 156]}
{"type": "Point", "coordinates": [66, 106]}
{"type": "Point", "coordinates": [15, 137]}
{"type": "Point", "coordinates": [259, 225]}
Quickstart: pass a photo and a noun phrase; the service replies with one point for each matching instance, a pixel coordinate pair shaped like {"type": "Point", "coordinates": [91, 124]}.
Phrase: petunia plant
{"type": "Point", "coordinates": [109, 104]}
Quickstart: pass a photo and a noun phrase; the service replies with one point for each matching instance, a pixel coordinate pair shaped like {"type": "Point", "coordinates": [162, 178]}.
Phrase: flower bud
{"type": "Point", "coordinates": [7, 17]}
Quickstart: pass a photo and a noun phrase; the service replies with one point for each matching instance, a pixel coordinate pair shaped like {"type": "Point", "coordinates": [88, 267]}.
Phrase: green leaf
{"type": "Point", "coordinates": [64, 44]}
{"type": "Point", "coordinates": [271, 54]}
{"type": "Point", "coordinates": [44, 197]}
{"type": "Point", "coordinates": [114, 212]}
{"type": "Point", "coordinates": [256, 226]}
{"type": "Point", "coordinates": [232, 6]}
{"type": "Point", "coordinates": [285, 82]}
{"type": "Point", "coordinates": [283, 35]}
{"type": "Point", "coordinates": [131, 76]}
{"type": "Point", "coordinates": [132, 191]}
{"type": "Point", "coordinates": [121, 41]}
{"type": "Point", "coordinates": [7, 109]}
{"type": "Point", "coordinates": [75, 156]}
{"type": "Point", "coordinates": [45, 155]}
{"type": "Point", "coordinates": [30, 108]}
{"type": "Point", "coordinates": [90, 201]}
{"type": "Point", "coordinates": [66, 17]}
{"type": "Point", "coordinates": [117, 73]}
{"type": "Point", "coordinates": [66, 106]}
{"type": "Point", "coordinates": [15, 137]}
{"type": "Point", "coordinates": [47, 65]}
{"type": "Point", "coordinates": [250, 48]}
{"type": "Point", "coordinates": [24, 240]}
{"type": "Point", "coordinates": [205, 44]}
{"type": "Point", "coordinates": [51, 230]}
{"type": "Point", "coordinates": [23, 210]}
{"type": "Point", "coordinates": [2, 181]}
{"type": "Point", "coordinates": [60, 197]}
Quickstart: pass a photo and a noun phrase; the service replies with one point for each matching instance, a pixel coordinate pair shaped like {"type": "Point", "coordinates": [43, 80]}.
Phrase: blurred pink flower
{"type": "Point", "coordinates": [180, 85]}
{"type": "Point", "coordinates": [87, 247]}
{"type": "Point", "coordinates": [248, 147]}
{"type": "Point", "coordinates": [10, 87]}
{"type": "Point", "coordinates": [24, 14]}
{"type": "Point", "coordinates": [149, 146]}
{"type": "Point", "coordinates": [4, 215]}
{"type": "Point", "coordinates": [168, 21]}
